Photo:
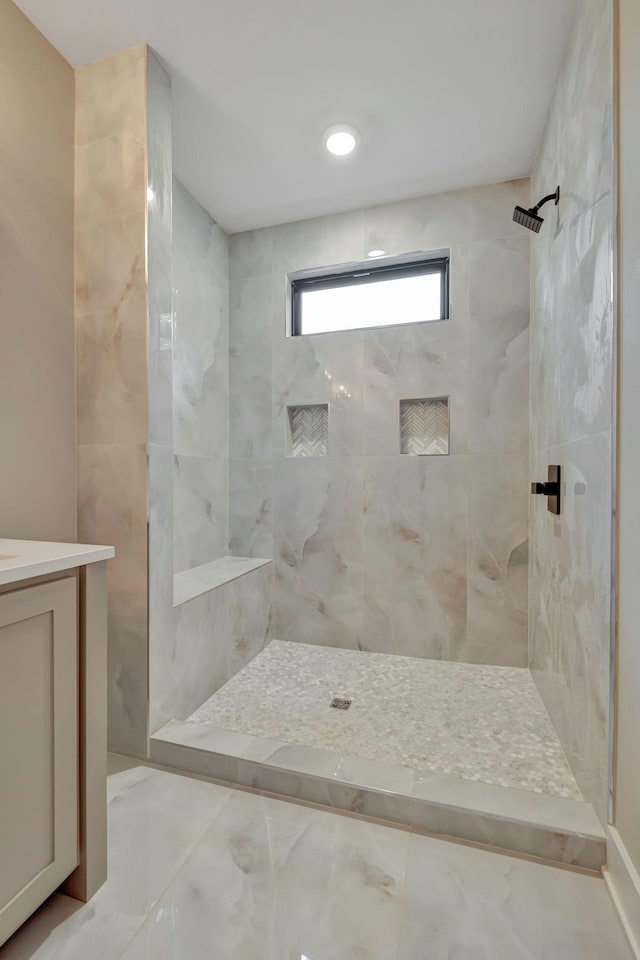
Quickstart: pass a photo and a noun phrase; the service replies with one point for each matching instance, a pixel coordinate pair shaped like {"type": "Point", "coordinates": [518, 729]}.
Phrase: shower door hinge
{"type": "Point", "coordinates": [550, 489]}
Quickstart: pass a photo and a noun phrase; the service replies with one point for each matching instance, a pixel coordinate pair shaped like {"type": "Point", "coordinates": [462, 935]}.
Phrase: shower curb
{"type": "Point", "coordinates": [554, 829]}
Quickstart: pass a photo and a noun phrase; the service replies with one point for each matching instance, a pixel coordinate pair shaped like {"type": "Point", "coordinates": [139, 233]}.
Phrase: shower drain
{"type": "Point", "coordinates": [340, 703]}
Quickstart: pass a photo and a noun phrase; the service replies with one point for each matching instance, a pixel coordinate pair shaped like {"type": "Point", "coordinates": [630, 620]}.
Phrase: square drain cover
{"type": "Point", "coordinates": [339, 703]}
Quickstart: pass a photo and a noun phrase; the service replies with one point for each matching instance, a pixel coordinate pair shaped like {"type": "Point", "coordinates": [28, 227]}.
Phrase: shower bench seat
{"type": "Point", "coordinates": [198, 580]}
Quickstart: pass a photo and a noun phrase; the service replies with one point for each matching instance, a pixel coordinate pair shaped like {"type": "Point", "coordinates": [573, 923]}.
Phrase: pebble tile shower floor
{"type": "Point", "coordinates": [480, 723]}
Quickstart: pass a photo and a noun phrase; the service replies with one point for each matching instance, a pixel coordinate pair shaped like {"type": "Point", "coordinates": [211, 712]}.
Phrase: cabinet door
{"type": "Point", "coordinates": [38, 746]}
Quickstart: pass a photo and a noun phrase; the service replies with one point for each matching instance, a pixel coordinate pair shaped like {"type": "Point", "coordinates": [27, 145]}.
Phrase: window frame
{"type": "Point", "coordinates": [369, 271]}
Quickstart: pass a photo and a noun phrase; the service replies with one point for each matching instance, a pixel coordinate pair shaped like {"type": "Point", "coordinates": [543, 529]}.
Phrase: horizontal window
{"type": "Point", "coordinates": [370, 295]}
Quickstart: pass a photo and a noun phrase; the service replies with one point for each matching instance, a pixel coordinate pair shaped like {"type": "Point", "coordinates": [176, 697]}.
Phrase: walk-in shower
{"type": "Point", "coordinates": [350, 539]}
{"type": "Point", "coordinates": [354, 598]}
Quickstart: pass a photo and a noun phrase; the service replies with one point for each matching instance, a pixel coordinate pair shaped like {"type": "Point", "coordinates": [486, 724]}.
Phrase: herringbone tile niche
{"type": "Point", "coordinates": [308, 430]}
{"type": "Point", "coordinates": [424, 427]}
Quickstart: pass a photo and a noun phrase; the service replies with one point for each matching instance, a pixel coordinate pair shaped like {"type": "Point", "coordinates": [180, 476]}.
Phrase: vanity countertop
{"type": "Point", "coordinates": [23, 559]}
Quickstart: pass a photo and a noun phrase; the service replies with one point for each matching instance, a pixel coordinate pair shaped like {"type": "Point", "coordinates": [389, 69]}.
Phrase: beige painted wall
{"type": "Point", "coordinates": [37, 377]}
{"type": "Point", "coordinates": [627, 794]}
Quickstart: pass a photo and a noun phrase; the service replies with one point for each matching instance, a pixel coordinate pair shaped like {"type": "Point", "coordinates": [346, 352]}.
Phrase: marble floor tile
{"type": "Point", "coordinates": [155, 820]}
{"type": "Point", "coordinates": [477, 905]}
{"type": "Point", "coordinates": [65, 928]}
{"type": "Point", "coordinates": [198, 871]}
{"type": "Point", "coordinates": [475, 722]}
{"type": "Point", "coordinates": [266, 875]}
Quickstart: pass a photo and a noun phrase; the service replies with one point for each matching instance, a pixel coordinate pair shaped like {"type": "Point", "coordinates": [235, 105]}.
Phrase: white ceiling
{"type": "Point", "coordinates": [446, 93]}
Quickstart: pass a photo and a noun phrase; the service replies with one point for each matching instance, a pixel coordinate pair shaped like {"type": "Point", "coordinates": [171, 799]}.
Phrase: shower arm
{"type": "Point", "coordinates": [551, 196]}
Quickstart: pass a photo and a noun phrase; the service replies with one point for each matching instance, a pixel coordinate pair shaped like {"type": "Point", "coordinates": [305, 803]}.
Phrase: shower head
{"type": "Point", "coordinates": [530, 218]}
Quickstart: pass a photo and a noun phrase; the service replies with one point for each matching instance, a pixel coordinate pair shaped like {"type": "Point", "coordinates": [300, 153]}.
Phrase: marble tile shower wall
{"type": "Point", "coordinates": [163, 662]}
{"type": "Point", "coordinates": [200, 384]}
{"type": "Point", "coordinates": [111, 345]}
{"type": "Point", "coordinates": [196, 647]}
{"type": "Point", "coordinates": [572, 349]}
{"type": "Point", "coordinates": [422, 556]}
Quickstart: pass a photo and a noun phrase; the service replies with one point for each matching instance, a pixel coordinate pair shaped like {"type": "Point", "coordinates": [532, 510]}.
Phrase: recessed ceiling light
{"type": "Point", "coordinates": [376, 253]}
{"type": "Point", "coordinates": [341, 139]}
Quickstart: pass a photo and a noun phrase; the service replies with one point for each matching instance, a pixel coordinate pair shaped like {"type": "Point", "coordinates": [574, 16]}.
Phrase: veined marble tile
{"type": "Point", "coordinates": [479, 359]}
{"type": "Point", "coordinates": [159, 110]}
{"type": "Point", "coordinates": [109, 262]}
{"type": "Point", "coordinates": [198, 232]}
{"type": "Point", "coordinates": [195, 867]}
{"type": "Point", "coordinates": [336, 766]}
{"type": "Point", "coordinates": [286, 757]}
{"type": "Point", "coordinates": [202, 736]}
{"type": "Point", "coordinates": [251, 508]}
{"type": "Point", "coordinates": [414, 517]}
{"type": "Point", "coordinates": [262, 895]}
{"type": "Point", "coordinates": [524, 807]}
{"type": "Point", "coordinates": [159, 206]}
{"type": "Point", "coordinates": [423, 224]}
{"type": "Point", "coordinates": [328, 764]}
{"type": "Point", "coordinates": [316, 369]}
{"type": "Point", "coordinates": [515, 830]}
{"type": "Point", "coordinates": [63, 927]}
{"type": "Point", "coordinates": [326, 368]}
{"type": "Point", "coordinates": [415, 556]}
{"type": "Point", "coordinates": [572, 357]}
{"type": "Point", "coordinates": [417, 361]}
{"type": "Point", "coordinates": [272, 880]}
{"type": "Point", "coordinates": [202, 651]}
{"type": "Point", "coordinates": [201, 354]}
{"type": "Point", "coordinates": [162, 617]}
{"type": "Point", "coordinates": [497, 399]}
{"type": "Point", "coordinates": [155, 820]}
{"type": "Point", "coordinates": [200, 371]}
{"type": "Point", "coordinates": [197, 646]}
{"type": "Point", "coordinates": [251, 253]}
{"type": "Point", "coordinates": [116, 160]}
{"type": "Point", "coordinates": [448, 797]}
{"type": "Point", "coordinates": [117, 86]}
{"type": "Point", "coordinates": [159, 209]}
{"type": "Point", "coordinates": [111, 352]}
{"type": "Point", "coordinates": [319, 242]}
{"type": "Point", "coordinates": [570, 610]}
{"type": "Point", "coordinates": [112, 508]}
{"type": "Point", "coordinates": [250, 368]}
{"type": "Point", "coordinates": [572, 265]}
{"type": "Point", "coordinates": [572, 402]}
{"type": "Point", "coordinates": [499, 496]}
{"type": "Point", "coordinates": [110, 173]}
{"type": "Point", "coordinates": [181, 813]}
{"type": "Point", "coordinates": [497, 908]}
{"type": "Point", "coordinates": [250, 600]}
{"type": "Point", "coordinates": [491, 209]}
{"type": "Point", "coordinates": [210, 576]}
{"type": "Point", "coordinates": [318, 551]}
{"type": "Point", "coordinates": [584, 108]}
{"type": "Point", "coordinates": [201, 522]}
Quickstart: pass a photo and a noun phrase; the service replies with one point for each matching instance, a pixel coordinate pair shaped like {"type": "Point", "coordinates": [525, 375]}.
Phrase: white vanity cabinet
{"type": "Point", "coordinates": [52, 727]}
{"type": "Point", "coordinates": [38, 746]}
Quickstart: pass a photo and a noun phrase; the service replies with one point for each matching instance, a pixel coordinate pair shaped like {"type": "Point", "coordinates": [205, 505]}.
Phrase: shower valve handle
{"type": "Point", "coordinates": [550, 489]}
{"type": "Point", "coordinates": [546, 489]}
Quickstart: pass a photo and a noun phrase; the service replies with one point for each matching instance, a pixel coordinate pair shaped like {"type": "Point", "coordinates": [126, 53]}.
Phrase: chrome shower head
{"type": "Point", "coordinates": [530, 218]}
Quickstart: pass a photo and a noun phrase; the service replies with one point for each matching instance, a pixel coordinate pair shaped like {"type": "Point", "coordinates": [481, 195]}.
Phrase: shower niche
{"type": "Point", "coordinates": [424, 427]}
{"type": "Point", "coordinates": [308, 430]}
